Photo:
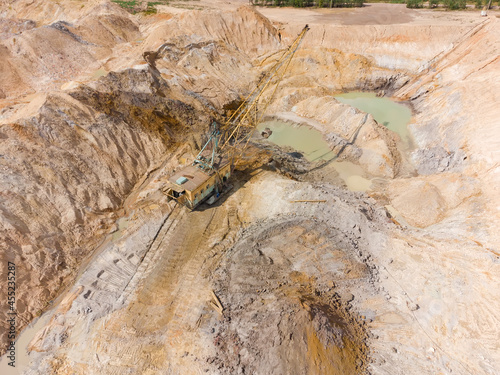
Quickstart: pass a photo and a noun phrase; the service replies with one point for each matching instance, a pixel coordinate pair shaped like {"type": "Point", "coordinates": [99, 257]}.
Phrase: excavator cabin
{"type": "Point", "coordinates": [194, 184]}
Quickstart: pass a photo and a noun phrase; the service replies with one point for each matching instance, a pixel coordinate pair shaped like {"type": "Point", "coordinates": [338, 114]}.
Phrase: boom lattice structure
{"type": "Point", "coordinates": [237, 130]}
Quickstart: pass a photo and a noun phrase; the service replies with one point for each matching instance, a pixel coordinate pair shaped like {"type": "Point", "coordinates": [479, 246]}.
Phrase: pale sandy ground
{"type": "Point", "coordinates": [142, 302]}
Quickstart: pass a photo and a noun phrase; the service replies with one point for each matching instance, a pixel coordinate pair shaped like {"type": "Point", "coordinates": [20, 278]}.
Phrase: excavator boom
{"type": "Point", "coordinates": [207, 177]}
{"type": "Point", "coordinates": [239, 126]}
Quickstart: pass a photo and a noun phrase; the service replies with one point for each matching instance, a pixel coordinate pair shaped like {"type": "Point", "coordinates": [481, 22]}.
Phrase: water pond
{"type": "Point", "coordinates": [395, 116]}
{"type": "Point", "coordinates": [313, 146]}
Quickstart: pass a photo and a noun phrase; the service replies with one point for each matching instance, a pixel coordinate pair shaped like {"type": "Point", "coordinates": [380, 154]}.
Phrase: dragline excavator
{"type": "Point", "coordinates": [208, 176]}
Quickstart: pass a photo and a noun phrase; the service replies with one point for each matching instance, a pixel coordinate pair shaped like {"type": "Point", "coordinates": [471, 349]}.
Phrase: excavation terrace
{"type": "Point", "coordinates": [381, 258]}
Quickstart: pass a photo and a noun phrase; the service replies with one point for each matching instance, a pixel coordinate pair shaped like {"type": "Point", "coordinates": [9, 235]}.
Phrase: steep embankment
{"type": "Point", "coordinates": [456, 125]}
{"type": "Point", "coordinates": [53, 48]}
{"type": "Point", "coordinates": [70, 158]}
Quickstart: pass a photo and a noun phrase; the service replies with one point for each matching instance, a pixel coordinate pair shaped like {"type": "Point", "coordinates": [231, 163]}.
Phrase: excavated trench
{"type": "Point", "coordinates": [271, 298]}
{"type": "Point", "coordinates": [280, 285]}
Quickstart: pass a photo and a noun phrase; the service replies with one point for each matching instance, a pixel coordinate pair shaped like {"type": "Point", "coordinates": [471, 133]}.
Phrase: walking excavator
{"type": "Point", "coordinates": [207, 178]}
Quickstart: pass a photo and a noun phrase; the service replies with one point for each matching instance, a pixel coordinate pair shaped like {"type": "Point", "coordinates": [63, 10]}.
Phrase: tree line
{"type": "Point", "coordinates": [448, 4]}
{"type": "Point", "coordinates": [309, 3]}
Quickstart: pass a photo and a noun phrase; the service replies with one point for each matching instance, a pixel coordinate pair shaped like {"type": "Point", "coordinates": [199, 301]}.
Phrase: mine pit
{"type": "Point", "coordinates": [311, 144]}
{"type": "Point", "coordinates": [169, 213]}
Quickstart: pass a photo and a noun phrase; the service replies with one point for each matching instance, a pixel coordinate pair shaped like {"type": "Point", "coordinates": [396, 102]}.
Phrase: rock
{"type": "Point", "coordinates": [266, 133]}
{"type": "Point", "coordinates": [419, 202]}
{"type": "Point", "coordinates": [412, 306]}
{"type": "Point", "coordinates": [347, 297]}
{"type": "Point", "coordinates": [437, 159]}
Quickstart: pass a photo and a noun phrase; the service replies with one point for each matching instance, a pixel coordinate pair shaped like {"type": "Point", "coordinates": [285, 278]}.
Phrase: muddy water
{"type": "Point", "coordinates": [122, 224]}
{"type": "Point", "coordinates": [100, 73]}
{"type": "Point", "coordinates": [307, 140]}
{"type": "Point", "coordinates": [21, 345]}
{"type": "Point", "coordinates": [352, 174]}
{"type": "Point", "coordinates": [311, 144]}
{"type": "Point", "coordinates": [394, 116]}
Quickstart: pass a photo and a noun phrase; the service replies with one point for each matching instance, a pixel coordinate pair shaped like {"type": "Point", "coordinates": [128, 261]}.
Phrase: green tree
{"type": "Point", "coordinates": [414, 3]}
{"type": "Point", "coordinates": [451, 4]}
{"type": "Point", "coordinates": [478, 4]}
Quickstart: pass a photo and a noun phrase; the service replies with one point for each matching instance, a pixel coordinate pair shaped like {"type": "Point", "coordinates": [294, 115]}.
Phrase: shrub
{"type": "Point", "coordinates": [414, 3]}
{"type": "Point", "coordinates": [454, 4]}
{"type": "Point", "coordinates": [309, 3]}
{"type": "Point", "coordinates": [433, 3]}
{"type": "Point", "coordinates": [478, 4]}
